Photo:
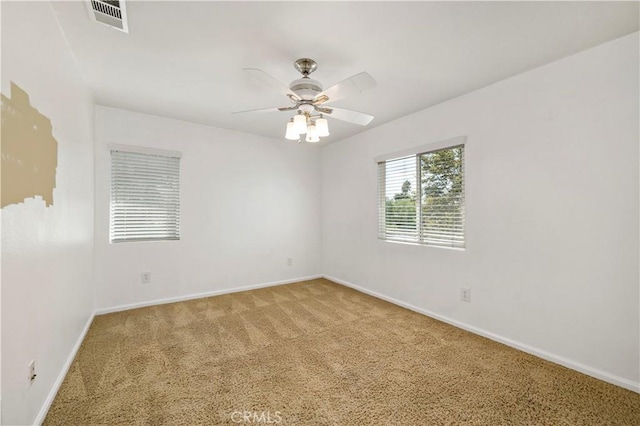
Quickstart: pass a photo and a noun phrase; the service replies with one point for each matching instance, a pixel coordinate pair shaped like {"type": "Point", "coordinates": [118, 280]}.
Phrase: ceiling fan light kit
{"type": "Point", "coordinates": [314, 126]}
{"type": "Point", "coordinates": [308, 100]}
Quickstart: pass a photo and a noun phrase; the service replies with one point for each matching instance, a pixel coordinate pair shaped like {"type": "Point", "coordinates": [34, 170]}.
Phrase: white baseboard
{"type": "Point", "coordinates": [63, 373]}
{"type": "Point", "coordinates": [590, 371]}
{"type": "Point", "coordinates": [118, 308]}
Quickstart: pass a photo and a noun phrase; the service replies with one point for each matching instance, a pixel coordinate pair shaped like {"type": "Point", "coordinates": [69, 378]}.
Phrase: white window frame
{"type": "Point", "coordinates": [123, 232]}
{"type": "Point", "coordinates": [417, 152]}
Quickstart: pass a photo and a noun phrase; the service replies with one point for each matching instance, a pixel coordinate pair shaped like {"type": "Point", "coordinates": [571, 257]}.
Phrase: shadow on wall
{"type": "Point", "coordinates": [29, 151]}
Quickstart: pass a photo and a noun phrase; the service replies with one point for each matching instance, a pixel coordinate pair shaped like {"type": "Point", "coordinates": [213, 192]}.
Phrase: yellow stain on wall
{"type": "Point", "coordinates": [29, 151]}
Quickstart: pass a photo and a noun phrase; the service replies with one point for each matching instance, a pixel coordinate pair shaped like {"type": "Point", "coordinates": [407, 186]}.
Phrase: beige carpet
{"type": "Point", "coordinates": [316, 353]}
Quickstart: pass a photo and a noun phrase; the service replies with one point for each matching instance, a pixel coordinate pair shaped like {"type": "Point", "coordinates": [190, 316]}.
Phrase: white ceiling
{"type": "Point", "coordinates": [184, 60]}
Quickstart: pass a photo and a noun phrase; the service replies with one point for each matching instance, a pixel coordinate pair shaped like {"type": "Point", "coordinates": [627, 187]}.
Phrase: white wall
{"type": "Point", "coordinates": [552, 212]}
{"type": "Point", "coordinates": [247, 204]}
{"type": "Point", "coordinates": [47, 252]}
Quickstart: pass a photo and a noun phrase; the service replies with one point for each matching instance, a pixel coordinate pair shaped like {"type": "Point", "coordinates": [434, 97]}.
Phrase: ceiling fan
{"type": "Point", "coordinates": [309, 101]}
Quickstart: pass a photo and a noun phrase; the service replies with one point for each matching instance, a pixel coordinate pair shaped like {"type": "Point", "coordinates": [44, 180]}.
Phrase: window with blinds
{"type": "Point", "coordinates": [145, 197]}
{"type": "Point", "coordinates": [421, 198]}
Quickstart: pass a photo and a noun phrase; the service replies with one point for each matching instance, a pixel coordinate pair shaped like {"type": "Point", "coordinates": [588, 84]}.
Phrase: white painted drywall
{"type": "Point", "coordinates": [47, 252]}
{"type": "Point", "coordinates": [552, 211]}
{"type": "Point", "coordinates": [247, 204]}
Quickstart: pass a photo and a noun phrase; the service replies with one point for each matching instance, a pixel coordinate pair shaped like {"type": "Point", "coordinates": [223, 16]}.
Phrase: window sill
{"type": "Point", "coordinates": [411, 243]}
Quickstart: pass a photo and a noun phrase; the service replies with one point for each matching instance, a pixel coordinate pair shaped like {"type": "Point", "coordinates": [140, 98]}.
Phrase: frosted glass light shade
{"type": "Point", "coordinates": [291, 134]}
{"type": "Point", "coordinates": [300, 121]}
{"type": "Point", "coordinates": [312, 134]}
{"type": "Point", "coordinates": [312, 139]}
{"type": "Point", "coordinates": [322, 127]}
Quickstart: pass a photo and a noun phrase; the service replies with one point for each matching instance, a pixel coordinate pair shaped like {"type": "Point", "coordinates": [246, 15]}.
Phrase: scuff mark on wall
{"type": "Point", "coordinates": [29, 151]}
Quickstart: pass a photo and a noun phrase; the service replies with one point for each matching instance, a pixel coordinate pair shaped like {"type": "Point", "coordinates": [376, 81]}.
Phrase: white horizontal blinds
{"type": "Point", "coordinates": [145, 197]}
{"type": "Point", "coordinates": [397, 200]}
{"type": "Point", "coordinates": [442, 208]}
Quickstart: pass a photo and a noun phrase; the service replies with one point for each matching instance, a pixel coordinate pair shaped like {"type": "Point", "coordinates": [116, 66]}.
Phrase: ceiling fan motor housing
{"type": "Point", "coordinates": [306, 88]}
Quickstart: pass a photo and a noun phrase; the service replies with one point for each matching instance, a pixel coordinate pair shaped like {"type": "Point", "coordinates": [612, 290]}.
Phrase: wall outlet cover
{"type": "Point", "coordinates": [465, 294]}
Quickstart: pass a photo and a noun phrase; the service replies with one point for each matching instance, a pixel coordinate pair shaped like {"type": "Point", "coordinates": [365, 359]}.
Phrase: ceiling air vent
{"type": "Point", "coordinates": [109, 12]}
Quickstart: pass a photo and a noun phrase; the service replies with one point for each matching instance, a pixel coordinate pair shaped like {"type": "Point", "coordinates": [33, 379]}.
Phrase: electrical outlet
{"type": "Point", "coordinates": [465, 294]}
{"type": "Point", "coordinates": [289, 261]}
{"type": "Point", "coordinates": [32, 372]}
{"type": "Point", "coordinates": [145, 277]}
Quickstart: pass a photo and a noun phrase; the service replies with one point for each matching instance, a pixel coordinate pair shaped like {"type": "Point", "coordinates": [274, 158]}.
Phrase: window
{"type": "Point", "coordinates": [145, 196]}
{"type": "Point", "coordinates": [421, 198]}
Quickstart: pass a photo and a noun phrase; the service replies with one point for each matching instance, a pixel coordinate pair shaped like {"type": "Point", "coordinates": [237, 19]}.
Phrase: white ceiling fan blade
{"type": "Point", "coordinates": [350, 116]}
{"type": "Point", "coordinates": [351, 86]}
{"type": "Point", "coordinates": [260, 110]}
{"type": "Point", "coordinates": [270, 81]}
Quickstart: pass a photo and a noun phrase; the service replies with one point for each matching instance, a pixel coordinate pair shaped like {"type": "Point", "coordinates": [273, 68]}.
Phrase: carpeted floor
{"type": "Point", "coordinates": [316, 353]}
